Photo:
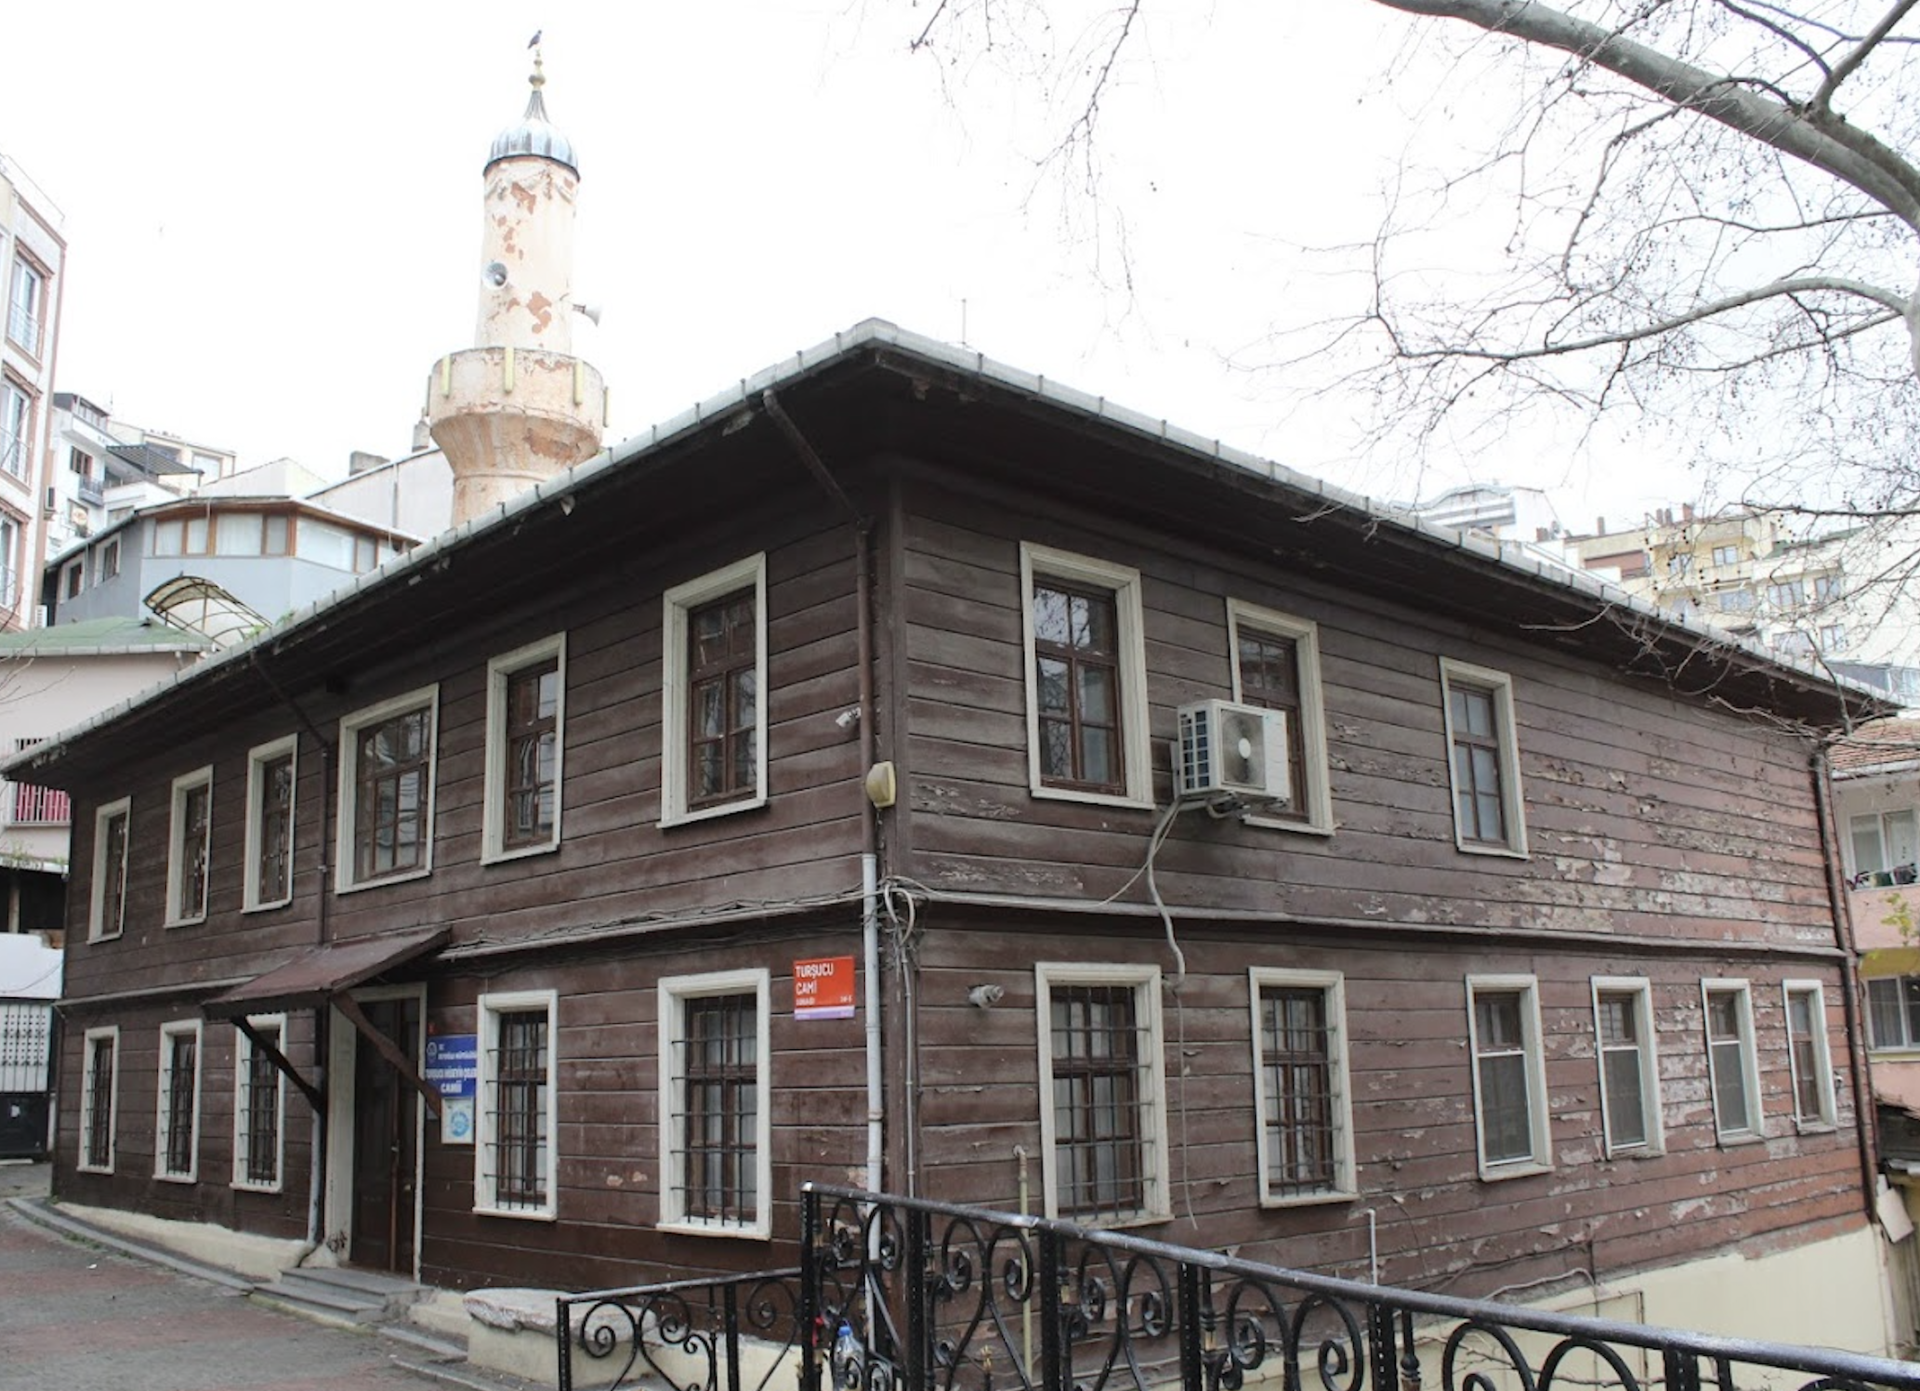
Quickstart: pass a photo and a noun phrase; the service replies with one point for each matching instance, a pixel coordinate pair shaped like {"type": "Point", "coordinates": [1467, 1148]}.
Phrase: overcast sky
{"type": "Point", "coordinates": [273, 212]}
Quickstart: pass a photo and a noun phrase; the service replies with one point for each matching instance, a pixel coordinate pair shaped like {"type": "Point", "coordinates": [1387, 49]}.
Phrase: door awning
{"type": "Point", "coordinates": [320, 975]}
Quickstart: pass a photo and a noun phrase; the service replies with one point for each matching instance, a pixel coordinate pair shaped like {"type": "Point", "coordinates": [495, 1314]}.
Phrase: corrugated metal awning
{"type": "Point", "coordinates": [318, 976]}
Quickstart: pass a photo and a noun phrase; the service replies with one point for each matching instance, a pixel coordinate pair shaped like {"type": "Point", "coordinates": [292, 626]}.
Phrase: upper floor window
{"type": "Point", "coordinates": [1086, 679]}
{"type": "Point", "coordinates": [107, 562]}
{"type": "Point", "coordinates": [526, 722]}
{"type": "Point", "coordinates": [1731, 1061]}
{"type": "Point", "coordinates": [1893, 1012]}
{"type": "Point", "coordinates": [1629, 1066]}
{"type": "Point", "coordinates": [1726, 555]}
{"type": "Point", "coordinates": [1884, 843]}
{"type": "Point", "coordinates": [188, 846]}
{"type": "Point", "coordinates": [386, 789]}
{"type": "Point", "coordinates": [27, 305]}
{"type": "Point", "coordinates": [714, 683]}
{"type": "Point", "coordinates": [1809, 1062]}
{"type": "Point", "coordinates": [1102, 1093]}
{"type": "Point", "coordinates": [1303, 1108]}
{"type": "Point", "coordinates": [714, 1103]}
{"type": "Point", "coordinates": [269, 847]}
{"type": "Point", "coordinates": [16, 428]}
{"type": "Point", "coordinates": [1483, 760]}
{"type": "Point", "coordinates": [1735, 600]}
{"type": "Point", "coordinates": [513, 1155]}
{"type": "Point", "coordinates": [1787, 594]}
{"type": "Point", "coordinates": [108, 913]}
{"type": "Point", "coordinates": [1276, 665]}
{"type": "Point", "coordinates": [1509, 1075]}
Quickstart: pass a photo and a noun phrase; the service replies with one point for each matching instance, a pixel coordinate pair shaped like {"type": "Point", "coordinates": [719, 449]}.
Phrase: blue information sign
{"type": "Point", "coordinates": [453, 1060]}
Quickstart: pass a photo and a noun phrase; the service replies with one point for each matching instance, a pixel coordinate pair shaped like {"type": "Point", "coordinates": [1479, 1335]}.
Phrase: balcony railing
{"type": "Point", "coordinates": [40, 806]}
{"type": "Point", "coordinates": [91, 489]}
{"type": "Point", "coordinates": [13, 454]}
{"type": "Point", "coordinates": [23, 327]}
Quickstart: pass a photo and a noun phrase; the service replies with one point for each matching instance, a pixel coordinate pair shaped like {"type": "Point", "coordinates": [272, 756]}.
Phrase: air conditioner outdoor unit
{"type": "Point", "coordinates": [1231, 751]}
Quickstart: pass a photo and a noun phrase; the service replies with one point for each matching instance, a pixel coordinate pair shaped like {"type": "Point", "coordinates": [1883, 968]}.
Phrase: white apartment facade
{"type": "Point", "coordinates": [33, 259]}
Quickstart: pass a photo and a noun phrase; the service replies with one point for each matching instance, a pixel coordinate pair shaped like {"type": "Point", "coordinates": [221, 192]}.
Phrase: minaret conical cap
{"type": "Point", "coordinates": [534, 134]}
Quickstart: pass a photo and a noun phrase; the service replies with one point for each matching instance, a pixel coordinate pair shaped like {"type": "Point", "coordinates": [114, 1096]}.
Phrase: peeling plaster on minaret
{"type": "Point", "coordinates": [518, 407]}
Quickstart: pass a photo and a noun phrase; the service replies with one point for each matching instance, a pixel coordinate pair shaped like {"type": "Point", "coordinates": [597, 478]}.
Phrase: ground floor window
{"type": "Point", "coordinates": [1509, 1075]}
{"type": "Point", "coordinates": [98, 1112]}
{"type": "Point", "coordinates": [713, 1105]}
{"type": "Point", "coordinates": [513, 1155]}
{"type": "Point", "coordinates": [1300, 1085]}
{"type": "Point", "coordinates": [259, 1106]}
{"type": "Point", "coordinates": [1102, 1092]}
{"type": "Point", "coordinates": [1730, 1058]}
{"type": "Point", "coordinates": [177, 1136]}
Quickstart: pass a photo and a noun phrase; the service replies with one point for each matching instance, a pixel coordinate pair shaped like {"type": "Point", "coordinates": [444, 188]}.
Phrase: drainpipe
{"type": "Point", "coordinates": [1865, 1117]}
{"type": "Point", "coordinates": [869, 827]}
{"type": "Point", "coordinates": [317, 1157]}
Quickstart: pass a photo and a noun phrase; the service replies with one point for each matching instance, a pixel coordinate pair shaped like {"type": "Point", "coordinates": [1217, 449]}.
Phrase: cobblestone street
{"type": "Point", "coordinates": [79, 1318]}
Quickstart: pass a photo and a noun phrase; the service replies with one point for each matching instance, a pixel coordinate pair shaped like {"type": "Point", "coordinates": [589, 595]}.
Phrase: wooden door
{"type": "Point", "coordinates": [385, 1129]}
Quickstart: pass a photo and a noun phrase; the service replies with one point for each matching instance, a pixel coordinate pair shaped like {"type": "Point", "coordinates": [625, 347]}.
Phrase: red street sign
{"type": "Point", "coordinates": [823, 988]}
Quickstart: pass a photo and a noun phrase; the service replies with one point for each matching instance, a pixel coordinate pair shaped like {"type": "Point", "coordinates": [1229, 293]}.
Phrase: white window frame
{"type": "Point", "coordinates": [1512, 800]}
{"type": "Point", "coordinates": [427, 698]}
{"type": "Point", "coordinates": [1822, 1054]}
{"type": "Point", "coordinates": [1652, 1118]}
{"type": "Point", "coordinates": [111, 1034]}
{"type": "Point", "coordinates": [1754, 1122]}
{"type": "Point", "coordinates": [1316, 797]}
{"type": "Point", "coordinates": [500, 670]}
{"type": "Point", "coordinates": [1154, 1150]}
{"type": "Point", "coordinates": [1539, 1159]}
{"type": "Point", "coordinates": [485, 1192]}
{"type": "Point", "coordinates": [257, 759]}
{"type": "Point", "coordinates": [183, 785]}
{"type": "Point", "coordinates": [1910, 1038]}
{"type": "Point", "coordinates": [1333, 986]}
{"type": "Point", "coordinates": [96, 911]}
{"type": "Point", "coordinates": [163, 1120]}
{"type": "Point", "coordinates": [674, 992]}
{"type": "Point", "coordinates": [1136, 745]}
{"type": "Point", "coordinates": [676, 604]}
{"type": "Point", "coordinates": [243, 1053]}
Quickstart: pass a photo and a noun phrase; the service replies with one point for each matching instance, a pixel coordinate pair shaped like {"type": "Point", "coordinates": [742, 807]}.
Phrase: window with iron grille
{"type": "Point", "coordinates": [1300, 1085]}
{"type": "Point", "coordinates": [1483, 761]}
{"type": "Point", "coordinates": [714, 1070]}
{"type": "Point", "coordinates": [1276, 666]}
{"type": "Point", "coordinates": [110, 834]}
{"type": "Point", "coordinates": [187, 852]}
{"type": "Point", "coordinates": [1807, 1054]}
{"type": "Point", "coordinates": [715, 691]}
{"type": "Point", "coordinates": [1103, 1091]}
{"type": "Point", "coordinates": [1629, 1072]}
{"type": "Point", "coordinates": [270, 794]}
{"type": "Point", "coordinates": [1509, 1075]}
{"type": "Point", "coordinates": [259, 1106]}
{"type": "Point", "coordinates": [525, 717]}
{"type": "Point", "coordinates": [177, 1136]}
{"type": "Point", "coordinates": [1086, 679]}
{"type": "Point", "coordinates": [386, 774]}
{"type": "Point", "coordinates": [1730, 1058]}
{"type": "Point", "coordinates": [98, 1102]}
{"type": "Point", "coordinates": [514, 1154]}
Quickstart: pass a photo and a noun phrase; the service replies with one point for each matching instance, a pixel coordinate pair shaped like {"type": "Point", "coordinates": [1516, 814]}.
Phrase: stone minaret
{"type": "Point", "coordinates": [518, 407]}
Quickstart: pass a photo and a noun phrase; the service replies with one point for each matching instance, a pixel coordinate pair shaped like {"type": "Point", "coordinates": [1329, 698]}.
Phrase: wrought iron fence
{"type": "Point", "coordinates": [726, 1333]}
{"type": "Point", "coordinates": [909, 1295]}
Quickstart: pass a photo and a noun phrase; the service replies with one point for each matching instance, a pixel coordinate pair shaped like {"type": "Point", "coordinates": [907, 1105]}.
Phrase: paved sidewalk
{"type": "Point", "coordinates": [74, 1317]}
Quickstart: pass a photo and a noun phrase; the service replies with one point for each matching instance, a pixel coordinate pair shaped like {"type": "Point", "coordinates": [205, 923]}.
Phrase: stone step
{"type": "Point", "coordinates": [396, 1290]}
{"type": "Point", "coordinates": [320, 1301]}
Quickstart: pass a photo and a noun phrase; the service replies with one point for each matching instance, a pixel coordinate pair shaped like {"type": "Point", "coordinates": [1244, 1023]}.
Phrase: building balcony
{"type": "Point", "coordinates": [39, 806]}
{"type": "Point", "coordinates": [1885, 906]}
{"type": "Point", "coordinates": [92, 490]}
